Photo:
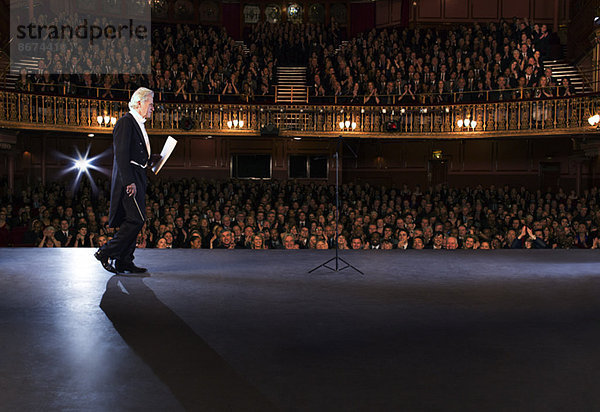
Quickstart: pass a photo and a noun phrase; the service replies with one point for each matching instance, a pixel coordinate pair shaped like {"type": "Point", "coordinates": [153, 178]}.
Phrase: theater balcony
{"type": "Point", "coordinates": [527, 117]}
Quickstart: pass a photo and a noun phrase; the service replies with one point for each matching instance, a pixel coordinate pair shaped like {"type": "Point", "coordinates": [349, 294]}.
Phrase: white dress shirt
{"type": "Point", "coordinates": [140, 121]}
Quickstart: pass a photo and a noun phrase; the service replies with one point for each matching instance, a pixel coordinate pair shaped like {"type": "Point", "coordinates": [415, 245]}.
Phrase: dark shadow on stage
{"type": "Point", "coordinates": [198, 377]}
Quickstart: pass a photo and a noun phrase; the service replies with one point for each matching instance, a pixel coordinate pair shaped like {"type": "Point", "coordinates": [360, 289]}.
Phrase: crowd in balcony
{"type": "Point", "coordinates": [237, 214]}
{"type": "Point", "coordinates": [494, 62]}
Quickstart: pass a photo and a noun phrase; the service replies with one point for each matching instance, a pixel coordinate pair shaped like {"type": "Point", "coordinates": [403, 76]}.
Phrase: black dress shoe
{"type": "Point", "coordinates": [129, 267]}
{"type": "Point", "coordinates": [104, 260]}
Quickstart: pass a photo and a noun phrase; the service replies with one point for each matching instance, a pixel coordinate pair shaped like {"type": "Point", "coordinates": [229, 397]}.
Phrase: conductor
{"type": "Point", "coordinates": [131, 147]}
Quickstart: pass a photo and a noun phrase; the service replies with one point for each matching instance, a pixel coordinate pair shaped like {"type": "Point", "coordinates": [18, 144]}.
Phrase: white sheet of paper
{"type": "Point", "coordinates": [165, 153]}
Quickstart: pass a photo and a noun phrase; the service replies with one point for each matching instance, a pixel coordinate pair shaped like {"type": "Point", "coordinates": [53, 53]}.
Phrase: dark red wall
{"type": "Point", "coordinates": [445, 11]}
{"type": "Point", "coordinates": [362, 17]}
{"type": "Point", "coordinates": [470, 162]}
{"type": "Point", "coordinates": [231, 15]}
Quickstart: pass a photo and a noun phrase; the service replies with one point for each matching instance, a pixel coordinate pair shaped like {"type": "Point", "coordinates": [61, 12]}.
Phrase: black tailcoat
{"type": "Point", "coordinates": [128, 145]}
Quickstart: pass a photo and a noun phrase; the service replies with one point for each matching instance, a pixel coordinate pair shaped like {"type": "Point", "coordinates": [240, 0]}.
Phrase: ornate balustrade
{"type": "Point", "coordinates": [21, 110]}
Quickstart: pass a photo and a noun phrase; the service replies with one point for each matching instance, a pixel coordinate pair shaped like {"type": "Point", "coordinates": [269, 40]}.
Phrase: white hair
{"type": "Point", "coordinates": [138, 96]}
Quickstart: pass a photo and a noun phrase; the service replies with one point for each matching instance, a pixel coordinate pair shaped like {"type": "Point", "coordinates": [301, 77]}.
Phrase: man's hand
{"type": "Point", "coordinates": [131, 190]}
{"type": "Point", "coordinates": [523, 232]}
{"type": "Point", "coordinates": [154, 159]}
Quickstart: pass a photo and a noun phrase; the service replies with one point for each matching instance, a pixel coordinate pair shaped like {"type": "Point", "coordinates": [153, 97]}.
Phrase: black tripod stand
{"type": "Point", "coordinates": [337, 258]}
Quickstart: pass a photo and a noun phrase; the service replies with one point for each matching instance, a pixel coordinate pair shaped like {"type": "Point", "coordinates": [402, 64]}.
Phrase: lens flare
{"type": "Point", "coordinates": [83, 164]}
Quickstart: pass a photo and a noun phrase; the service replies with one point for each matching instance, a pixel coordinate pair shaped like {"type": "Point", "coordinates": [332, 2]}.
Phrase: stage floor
{"type": "Point", "coordinates": [252, 330]}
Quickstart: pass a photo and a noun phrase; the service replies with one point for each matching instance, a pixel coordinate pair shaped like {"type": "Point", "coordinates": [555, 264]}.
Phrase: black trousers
{"type": "Point", "coordinates": [122, 245]}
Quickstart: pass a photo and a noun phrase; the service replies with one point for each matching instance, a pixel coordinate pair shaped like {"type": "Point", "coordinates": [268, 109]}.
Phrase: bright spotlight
{"type": "Point", "coordinates": [459, 123]}
{"type": "Point", "coordinates": [83, 164]}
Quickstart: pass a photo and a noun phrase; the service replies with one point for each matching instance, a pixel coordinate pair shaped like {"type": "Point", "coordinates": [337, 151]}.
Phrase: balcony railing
{"type": "Point", "coordinates": [23, 110]}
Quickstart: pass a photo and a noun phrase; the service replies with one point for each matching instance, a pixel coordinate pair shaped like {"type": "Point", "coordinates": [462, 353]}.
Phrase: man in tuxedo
{"type": "Point", "coordinates": [131, 147]}
{"type": "Point", "coordinates": [530, 78]}
{"type": "Point", "coordinates": [64, 235]}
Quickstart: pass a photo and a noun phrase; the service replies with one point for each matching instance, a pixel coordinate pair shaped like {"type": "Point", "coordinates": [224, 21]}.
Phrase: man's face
{"type": "Point", "coordinates": [452, 243]}
{"type": "Point", "coordinates": [304, 232]}
{"type": "Point", "coordinates": [403, 236]}
{"type": "Point", "coordinates": [146, 107]}
{"type": "Point", "coordinates": [356, 244]}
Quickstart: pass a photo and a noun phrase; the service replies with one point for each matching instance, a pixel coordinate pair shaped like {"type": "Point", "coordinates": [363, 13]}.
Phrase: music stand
{"type": "Point", "coordinates": [337, 258]}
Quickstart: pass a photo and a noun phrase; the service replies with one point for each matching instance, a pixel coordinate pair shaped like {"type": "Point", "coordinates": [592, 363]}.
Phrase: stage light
{"type": "Point", "coordinates": [459, 123]}
{"type": "Point", "coordinates": [467, 122]}
{"type": "Point", "coordinates": [347, 123]}
{"type": "Point", "coordinates": [354, 125]}
{"type": "Point", "coordinates": [229, 123]}
{"type": "Point", "coordinates": [91, 135]}
{"type": "Point", "coordinates": [113, 121]}
{"type": "Point", "coordinates": [341, 125]}
{"type": "Point", "coordinates": [402, 111]}
{"type": "Point", "coordinates": [82, 164]}
{"type": "Point", "coordinates": [106, 119]}
{"type": "Point", "coordinates": [235, 122]}
{"type": "Point", "coordinates": [594, 120]}
{"type": "Point", "coordinates": [383, 111]}
{"type": "Point", "coordinates": [241, 123]}
{"type": "Point", "coordinates": [100, 119]}
{"type": "Point", "coordinates": [473, 124]}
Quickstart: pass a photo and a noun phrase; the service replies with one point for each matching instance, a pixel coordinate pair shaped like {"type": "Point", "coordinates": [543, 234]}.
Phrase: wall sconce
{"type": "Point", "coordinates": [348, 125]}
{"type": "Point", "coordinates": [594, 120]}
{"type": "Point", "coordinates": [106, 120]}
{"type": "Point", "coordinates": [466, 124]}
{"type": "Point", "coordinates": [235, 124]}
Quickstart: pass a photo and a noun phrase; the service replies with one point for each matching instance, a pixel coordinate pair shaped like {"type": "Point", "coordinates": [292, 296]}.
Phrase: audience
{"type": "Point", "coordinates": [193, 63]}
{"type": "Point", "coordinates": [236, 214]}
